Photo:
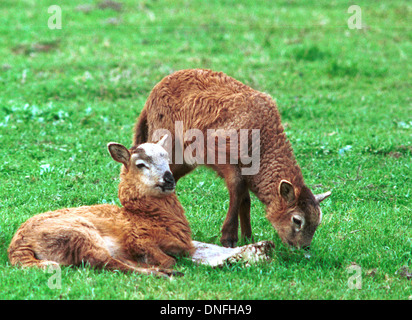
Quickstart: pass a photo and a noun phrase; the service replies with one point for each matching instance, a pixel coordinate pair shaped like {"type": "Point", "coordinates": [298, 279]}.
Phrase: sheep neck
{"type": "Point", "coordinates": [137, 201]}
{"type": "Point", "coordinates": [277, 163]}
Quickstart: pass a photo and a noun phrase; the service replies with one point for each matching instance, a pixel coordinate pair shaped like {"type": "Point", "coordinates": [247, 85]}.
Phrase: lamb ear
{"type": "Point", "coordinates": [287, 191]}
{"type": "Point", "coordinates": [322, 196]}
{"type": "Point", "coordinates": [162, 141]}
{"type": "Point", "coordinates": [119, 153]}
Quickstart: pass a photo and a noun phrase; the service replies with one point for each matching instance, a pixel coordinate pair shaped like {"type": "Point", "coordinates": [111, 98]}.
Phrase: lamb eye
{"type": "Point", "coordinates": [297, 221]}
{"type": "Point", "coordinates": [141, 165]}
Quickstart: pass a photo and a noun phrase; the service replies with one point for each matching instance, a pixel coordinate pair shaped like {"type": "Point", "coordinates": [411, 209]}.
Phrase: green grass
{"type": "Point", "coordinates": [64, 94]}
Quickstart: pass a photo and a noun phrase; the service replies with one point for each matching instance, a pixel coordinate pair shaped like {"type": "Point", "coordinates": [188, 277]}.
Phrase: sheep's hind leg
{"type": "Point", "coordinates": [81, 244]}
{"type": "Point", "coordinates": [180, 170]}
{"type": "Point", "coordinates": [26, 258]}
{"type": "Point", "coordinates": [97, 255]}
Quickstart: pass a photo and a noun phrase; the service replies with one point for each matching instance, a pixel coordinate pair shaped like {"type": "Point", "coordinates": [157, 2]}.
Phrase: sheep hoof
{"type": "Point", "coordinates": [167, 273]}
{"type": "Point", "coordinates": [227, 243]}
{"type": "Point", "coordinates": [177, 274]}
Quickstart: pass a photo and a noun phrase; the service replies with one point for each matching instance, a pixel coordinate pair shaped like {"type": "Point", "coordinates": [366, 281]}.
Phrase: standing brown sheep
{"type": "Point", "coordinates": [204, 100]}
{"type": "Point", "coordinates": [147, 231]}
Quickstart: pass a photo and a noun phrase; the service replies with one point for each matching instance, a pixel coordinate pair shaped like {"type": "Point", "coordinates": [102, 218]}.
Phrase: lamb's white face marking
{"type": "Point", "coordinates": [152, 161]}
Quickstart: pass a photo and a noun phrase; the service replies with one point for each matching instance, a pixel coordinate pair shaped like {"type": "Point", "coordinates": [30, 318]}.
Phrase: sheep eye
{"type": "Point", "coordinates": [297, 221]}
{"type": "Point", "coordinates": [141, 165]}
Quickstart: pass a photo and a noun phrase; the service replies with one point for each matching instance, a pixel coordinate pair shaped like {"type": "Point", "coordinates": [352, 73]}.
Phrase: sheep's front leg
{"type": "Point", "coordinates": [100, 258]}
{"type": "Point", "coordinates": [175, 247]}
{"type": "Point", "coordinates": [156, 257]}
{"type": "Point", "coordinates": [114, 264]}
{"type": "Point", "coordinates": [244, 215]}
{"type": "Point", "coordinates": [239, 205]}
{"type": "Point", "coordinates": [148, 253]}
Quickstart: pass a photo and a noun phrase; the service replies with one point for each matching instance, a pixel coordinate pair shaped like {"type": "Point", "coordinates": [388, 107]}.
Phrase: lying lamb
{"type": "Point", "coordinates": [149, 230]}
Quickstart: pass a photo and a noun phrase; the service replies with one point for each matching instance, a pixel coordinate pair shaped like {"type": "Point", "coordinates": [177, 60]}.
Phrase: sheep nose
{"type": "Point", "coordinates": [168, 178]}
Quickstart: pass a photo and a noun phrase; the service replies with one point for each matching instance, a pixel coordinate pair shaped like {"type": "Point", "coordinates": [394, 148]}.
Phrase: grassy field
{"type": "Point", "coordinates": [344, 96]}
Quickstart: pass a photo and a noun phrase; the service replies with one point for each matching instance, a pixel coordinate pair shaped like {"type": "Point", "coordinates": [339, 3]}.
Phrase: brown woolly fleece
{"type": "Point", "coordinates": [147, 231]}
{"type": "Point", "coordinates": [204, 99]}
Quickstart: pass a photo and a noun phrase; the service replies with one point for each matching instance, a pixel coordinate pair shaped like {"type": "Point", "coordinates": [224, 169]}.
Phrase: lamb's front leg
{"type": "Point", "coordinates": [175, 247]}
{"type": "Point", "coordinates": [148, 253]}
{"type": "Point", "coordinates": [238, 206]}
{"type": "Point", "coordinates": [155, 256]}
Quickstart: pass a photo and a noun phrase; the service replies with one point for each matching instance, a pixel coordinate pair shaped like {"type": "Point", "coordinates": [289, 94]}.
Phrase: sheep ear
{"type": "Point", "coordinates": [322, 196]}
{"type": "Point", "coordinates": [287, 191]}
{"type": "Point", "coordinates": [162, 141]}
{"type": "Point", "coordinates": [119, 153]}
